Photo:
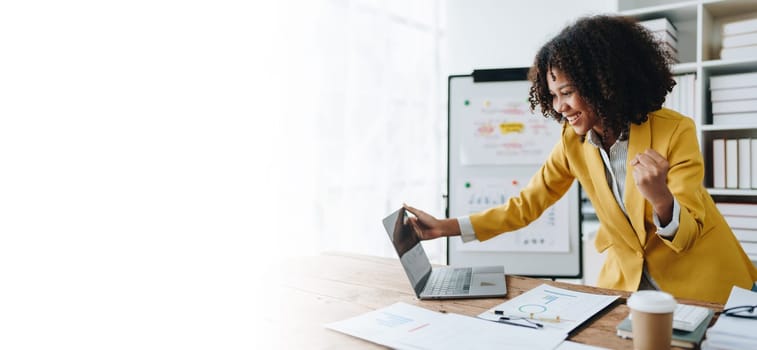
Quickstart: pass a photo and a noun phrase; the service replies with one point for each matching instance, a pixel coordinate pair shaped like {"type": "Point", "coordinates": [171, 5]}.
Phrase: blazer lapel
{"type": "Point", "coordinates": [607, 200]}
{"type": "Point", "coordinates": [639, 140]}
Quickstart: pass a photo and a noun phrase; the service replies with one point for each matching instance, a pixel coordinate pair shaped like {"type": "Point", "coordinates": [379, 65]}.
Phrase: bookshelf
{"type": "Point", "coordinates": [700, 25]}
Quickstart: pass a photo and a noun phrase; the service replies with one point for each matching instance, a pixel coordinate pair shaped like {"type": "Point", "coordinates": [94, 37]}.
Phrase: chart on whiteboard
{"type": "Point", "coordinates": [546, 234]}
{"type": "Point", "coordinates": [504, 131]}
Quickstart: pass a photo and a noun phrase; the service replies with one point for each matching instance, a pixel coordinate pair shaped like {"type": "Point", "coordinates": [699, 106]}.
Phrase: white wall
{"type": "Point", "coordinates": [135, 157]}
{"type": "Point", "coordinates": [497, 34]}
{"type": "Point", "coordinates": [143, 153]}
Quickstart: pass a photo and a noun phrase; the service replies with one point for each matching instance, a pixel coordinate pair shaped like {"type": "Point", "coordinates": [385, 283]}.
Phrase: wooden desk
{"type": "Point", "coordinates": [336, 286]}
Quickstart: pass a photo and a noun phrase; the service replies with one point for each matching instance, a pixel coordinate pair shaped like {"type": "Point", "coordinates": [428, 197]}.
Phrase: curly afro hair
{"type": "Point", "coordinates": [616, 65]}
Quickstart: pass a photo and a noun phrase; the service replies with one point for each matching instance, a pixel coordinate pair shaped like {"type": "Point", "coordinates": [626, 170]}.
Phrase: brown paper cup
{"type": "Point", "coordinates": [651, 319]}
{"type": "Point", "coordinates": [651, 331]}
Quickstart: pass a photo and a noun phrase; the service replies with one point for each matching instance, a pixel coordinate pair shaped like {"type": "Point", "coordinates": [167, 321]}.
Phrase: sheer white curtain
{"type": "Point", "coordinates": [366, 93]}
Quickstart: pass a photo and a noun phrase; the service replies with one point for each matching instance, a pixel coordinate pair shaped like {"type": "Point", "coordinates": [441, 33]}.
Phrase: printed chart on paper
{"type": "Point", "coordinates": [554, 308]}
{"type": "Point", "coordinates": [545, 234]}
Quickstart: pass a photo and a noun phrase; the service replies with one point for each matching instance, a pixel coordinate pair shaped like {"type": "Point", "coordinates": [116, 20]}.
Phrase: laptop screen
{"type": "Point", "coordinates": [408, 247]}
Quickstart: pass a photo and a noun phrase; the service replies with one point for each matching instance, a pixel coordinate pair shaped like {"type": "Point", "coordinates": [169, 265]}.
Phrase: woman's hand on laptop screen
{"type": "Point", "coordinates": [428, 227]}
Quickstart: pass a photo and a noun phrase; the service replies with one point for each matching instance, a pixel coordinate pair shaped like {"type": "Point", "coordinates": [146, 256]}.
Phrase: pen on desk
{"type": "Point", "coordinates": [537, 324]}
{"type": "Point", "coordinates": [556, 319]}
{"type": "Point", "coordinates": [506, 320]}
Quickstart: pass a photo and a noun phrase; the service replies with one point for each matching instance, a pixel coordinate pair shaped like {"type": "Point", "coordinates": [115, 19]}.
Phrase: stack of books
{"type": "Point", "coordinates": [742, 218]}
{"type": "Point", "coordinates": [734, 332]}
{"type": "Point", "coordinates": [739, 40]}
{"type": "Point", "coordinates": [734, 98]}
{"type": "Point", "coordinates": [689, 325]}
{"type": "Point", "coordinates": [666, 34]}
{"type": "Point", "coordinates": [683, 96]}
{"type": "Point", "coordinates": [734, 163]}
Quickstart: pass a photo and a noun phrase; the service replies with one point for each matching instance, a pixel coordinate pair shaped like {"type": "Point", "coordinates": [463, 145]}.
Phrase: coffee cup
{"type": "Point", "coordinates": [651, 319]}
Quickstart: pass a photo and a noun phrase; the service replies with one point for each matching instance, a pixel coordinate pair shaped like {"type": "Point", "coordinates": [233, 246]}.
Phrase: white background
{"type": "Point", "coordinates": [146, 169]}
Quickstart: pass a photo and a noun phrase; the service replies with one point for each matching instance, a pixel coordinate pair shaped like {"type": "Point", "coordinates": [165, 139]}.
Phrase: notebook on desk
{"type": "Point", "coordinates": [439, 282]}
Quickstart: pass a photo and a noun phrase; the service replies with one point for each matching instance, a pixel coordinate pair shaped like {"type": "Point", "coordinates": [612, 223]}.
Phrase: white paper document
{"type": "Point", "coordinates": [404, 326]}
{"type": "Point", "coordinates": [570, 345]}
{"type": "Point", "coordinates": [735, 332]}
{"type": "Point", "coordinates": [551, 307]}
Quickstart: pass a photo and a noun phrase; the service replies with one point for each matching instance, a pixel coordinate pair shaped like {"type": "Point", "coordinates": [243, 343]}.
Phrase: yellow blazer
{"type": "Point", "coordinates": [704, 259]}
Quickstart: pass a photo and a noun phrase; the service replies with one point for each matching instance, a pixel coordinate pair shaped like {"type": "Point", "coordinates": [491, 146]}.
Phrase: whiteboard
{"type": "Point", "coordinates": [495, 146]}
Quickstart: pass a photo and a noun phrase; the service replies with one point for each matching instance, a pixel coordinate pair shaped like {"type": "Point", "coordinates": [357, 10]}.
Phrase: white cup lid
{"type": "Point", "coordinates": [652, 301]}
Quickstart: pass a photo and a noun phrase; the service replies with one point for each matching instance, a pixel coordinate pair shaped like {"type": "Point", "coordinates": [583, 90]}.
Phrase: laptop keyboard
{"type": "Point", "coordinates": [451, 281]}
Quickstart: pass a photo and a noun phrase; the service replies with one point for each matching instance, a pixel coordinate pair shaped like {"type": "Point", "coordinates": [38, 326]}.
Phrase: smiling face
{"type": "Point", "coordinates": [567, 102]}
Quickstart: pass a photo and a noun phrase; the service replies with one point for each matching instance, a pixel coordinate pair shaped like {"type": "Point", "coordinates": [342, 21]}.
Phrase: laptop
{"type": "Point", "coordinates": [440, 282]}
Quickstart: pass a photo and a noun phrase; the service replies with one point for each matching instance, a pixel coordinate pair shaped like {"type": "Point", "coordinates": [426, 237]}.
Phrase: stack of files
{"type": "Point", "coordinates": [739, 39]}
{"type": "Point", "coordinates": [666, 34]}
{"type": "Point", "coordinates": [742, 218]}
{"type": "Point", "coordinates": [683, 97]}
{"type": "Point", "coordinates": [734, 332]}
{"type": "Point", "coordinates": [689, 324]}
{"type": "Point", "coordinates": [734, 99]}
{"type": "Point", "coordinates": [734, 163]}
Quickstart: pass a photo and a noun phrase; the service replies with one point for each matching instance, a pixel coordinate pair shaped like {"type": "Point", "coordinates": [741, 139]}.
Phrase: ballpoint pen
{"type": "Point", "coordinates": [555, 319]}
{"type": "Point", "coordinates": [530, 324]}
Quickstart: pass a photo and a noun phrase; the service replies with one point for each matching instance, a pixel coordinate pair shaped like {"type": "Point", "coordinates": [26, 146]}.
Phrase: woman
{"type": "Point", "coordinates": [605, 79]}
